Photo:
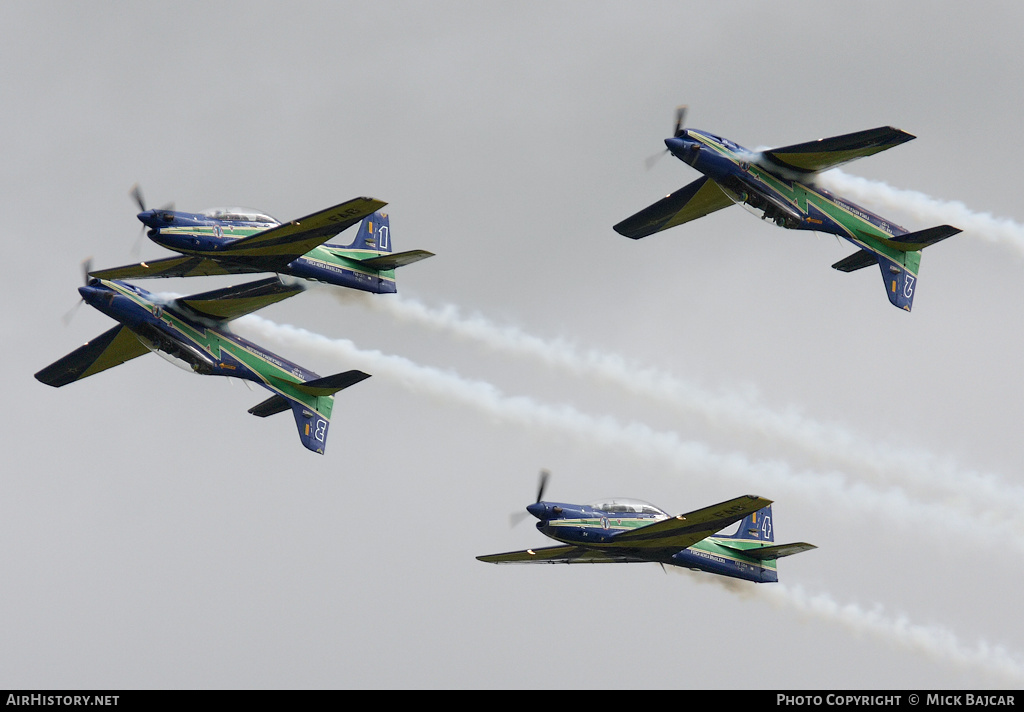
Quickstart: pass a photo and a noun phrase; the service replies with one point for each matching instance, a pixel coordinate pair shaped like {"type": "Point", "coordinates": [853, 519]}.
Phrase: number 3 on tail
{"type": "Point", "coordinates": [321, 427]}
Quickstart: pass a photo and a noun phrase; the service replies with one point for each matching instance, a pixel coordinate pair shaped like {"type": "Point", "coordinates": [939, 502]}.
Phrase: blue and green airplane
{"type": "Point", "coordinates": [620, 531]}
{"type": "Point", "coordinates": [238, 240]}
{"type": "Point", "coordinates": [192, 332]}
{"type": "Point", "coordinates": [778, 184]}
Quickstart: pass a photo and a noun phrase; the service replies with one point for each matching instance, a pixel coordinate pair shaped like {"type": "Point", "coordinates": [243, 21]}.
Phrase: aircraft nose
{"type": "Point", "coordinates": [539, 510]}
{"type": "Point", "coordinates": [147, 217]}
{"type": "Point", "coordinates": [91, 295]}
{"type": "Point", "coordinates": [676, 145]}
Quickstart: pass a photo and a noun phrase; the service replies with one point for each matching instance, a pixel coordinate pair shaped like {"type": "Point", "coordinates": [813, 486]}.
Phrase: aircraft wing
{"type": "Point", "coordinates": [171, 267]}
{"type": "Point", "coordinates": [275, 247]}
{"type": "Point", "coordinates": [690, 202]}
{"type": "Point", "coordinates": [232, 302]}
{"type": "Point", "coordinates": [560, 555]}
{"type": "Point", "coordinates": [686, 530]}
{"type": "Point", "coordinates": [826, 153]}
{"type": "Point", "coordinates": [107, 350]}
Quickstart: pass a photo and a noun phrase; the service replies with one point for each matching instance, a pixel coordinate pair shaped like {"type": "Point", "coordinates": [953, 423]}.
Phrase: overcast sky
{"type": "Point", "coordinates": [153, 534]}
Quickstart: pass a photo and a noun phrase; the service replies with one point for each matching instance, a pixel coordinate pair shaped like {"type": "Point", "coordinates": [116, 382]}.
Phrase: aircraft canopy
{"type": "Point", "coordinates": [635, 506]}
{"type": "Point", "coordinates": [240, 215]}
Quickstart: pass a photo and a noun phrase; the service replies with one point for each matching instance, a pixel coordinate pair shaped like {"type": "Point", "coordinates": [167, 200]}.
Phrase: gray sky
{"type": "Point", "coordinates": [153, 534]}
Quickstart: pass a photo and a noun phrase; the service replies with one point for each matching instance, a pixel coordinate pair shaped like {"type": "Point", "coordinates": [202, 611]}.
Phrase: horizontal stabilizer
{"type": "Point", "coordinates": [858, 260]}
{"type": "Point", "coordinates": [826, 153]}
{"type": "Point", "coordinates": [329, 385]}
{"type": "Point", "coordinates": [271, 406]}
{"type": "Point", "coordinates": [690, 202]}
{"type": "Point", "coordinates": [396, 259]}
{"type": "Point", "coordinates": [921, 239]}
{"type": "Point", "coordinates": [233, 302]}
{"type": "Point", "coordinates": [109, 349]}
{"type": "Point", "coordinates": [770, 553]}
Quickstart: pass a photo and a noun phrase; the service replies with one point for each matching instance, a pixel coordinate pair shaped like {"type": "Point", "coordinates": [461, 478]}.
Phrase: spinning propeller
{"type": "Point", "coordinates": [517, 517]}
{"type": "Point", "coordinates": [86, 269]}
{"type": "Point", "coordinates": [676, 133]}
{"type": "Point", "coordinates": [136, 193]}
{"type": "Point", "coordinates": [680, 119]}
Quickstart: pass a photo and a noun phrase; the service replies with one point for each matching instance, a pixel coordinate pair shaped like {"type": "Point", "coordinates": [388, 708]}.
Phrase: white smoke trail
{"type": "Point", "coordinates": [979, 494]}
{"type": "Point", "coordinates": [695, 459]}
{"type": "Point", "coordinates": [930, 211]}
{"type": "Point", "coordinates": [933, 641]}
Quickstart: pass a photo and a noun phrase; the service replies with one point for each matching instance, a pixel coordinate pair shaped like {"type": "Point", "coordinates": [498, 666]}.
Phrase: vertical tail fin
{"type": "Point", "coordinates": [900, 278]}
{"type": "Point", "coordinates": [756, 527]}
{"type": "Point", "coordinates": [312, 426]}
{"type": "Point", "coordinates": [374, 234]}
{"type": "Point", "coordinates": [313, 412]}
{"type": "Point", "coordinates": [901, 275]}
{"type": "Point", "coordinates": [760, 527]}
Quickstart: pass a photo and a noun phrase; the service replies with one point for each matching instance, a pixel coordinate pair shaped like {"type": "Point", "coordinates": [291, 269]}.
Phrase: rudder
{"type": "Point", "coordinates": [374, 234]}
{"type": "Point", "coordinates": [312, 426]}
{"type": "Point", "coordinates": [756, 527]}
{"type": "Point", "coordinates": [900, 279]}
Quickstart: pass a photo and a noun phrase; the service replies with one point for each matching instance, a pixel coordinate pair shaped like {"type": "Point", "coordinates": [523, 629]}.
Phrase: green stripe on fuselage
{"type": "Point", "coordinates": [348, 259]}
{"type": "Point", "coordinates": [851, 219]}
{"type": "Point", "coordinates": [711, 545]}
{"type": "Point", "coordinates": [272, 371]}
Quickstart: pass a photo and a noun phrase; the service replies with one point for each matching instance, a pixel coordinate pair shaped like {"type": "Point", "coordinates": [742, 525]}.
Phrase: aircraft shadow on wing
{"type": "Point", "coordinates": [617, 531]}
{"type": "Point", "coordinates": [778, 185]}
{"type": "Point", "coordinates": [192, 332]}
{"type": "Point", "coordinates": [238, 240]}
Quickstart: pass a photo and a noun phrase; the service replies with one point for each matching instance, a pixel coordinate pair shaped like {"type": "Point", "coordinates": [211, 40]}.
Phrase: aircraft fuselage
{"type": "Point", "coordinates": [197, 343]}
{"type": "Point", "coordinates": [585, 526]}
{"type": "Point", "coordinates": [200, 234]}
{"type": "Point", "coordinates": [787, 201]}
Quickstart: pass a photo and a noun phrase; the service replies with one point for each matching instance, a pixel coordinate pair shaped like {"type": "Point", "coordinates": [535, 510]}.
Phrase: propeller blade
{"type": "Point", "coordinates": [138, 243]}
{"type": "Point", "coordinates": [167, 206]}
{"type": "Point", "coordinates": [137, 194]}
{"type": "Point", "coordinates": [544, 475]}
{"type": "Point", "coordinates": [86, 269]}
{"type": "Point", "coordinates": [680, 120]}
{"type": "Point", "coordinates": [651, 160]}
{"type": "Point", "coordinates": [71, 312]}
{"type": "Point", "coordinates": [517, 517]}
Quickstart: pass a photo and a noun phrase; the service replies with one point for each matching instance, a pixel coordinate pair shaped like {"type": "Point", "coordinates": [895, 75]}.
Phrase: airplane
{"type": "Point", "coordinates": [239, 240]}
{"type": "Point", "coordinates": [192, 332]}
{"type": "Point", "coordinates": [618, 531]}
{"type": "Point", "coordinates": [778, 185]}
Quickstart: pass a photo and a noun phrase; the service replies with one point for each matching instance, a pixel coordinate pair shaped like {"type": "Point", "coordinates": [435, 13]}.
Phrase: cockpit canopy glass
{"type": "Point", "coordinates": [634, 506]}
{"type": "Point", "coordinates": [240, 215]}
